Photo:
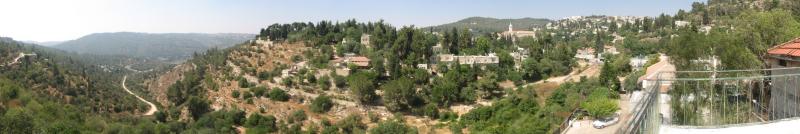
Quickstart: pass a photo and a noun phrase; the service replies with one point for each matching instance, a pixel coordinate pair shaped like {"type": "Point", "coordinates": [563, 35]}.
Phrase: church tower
{"type": "Point", "coordinates": [510, 27]}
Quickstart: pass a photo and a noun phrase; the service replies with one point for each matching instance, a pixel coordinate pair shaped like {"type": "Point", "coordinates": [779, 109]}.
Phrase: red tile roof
{"type": "Point", "coordinates": [359, 59]}
{"type": "Point", "coordinates": [791, 48]}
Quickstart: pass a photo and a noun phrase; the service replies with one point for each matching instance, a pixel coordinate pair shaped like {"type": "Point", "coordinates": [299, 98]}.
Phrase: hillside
{"type": "Point", "coordinates": [168, 46]}
{"type": "Point", "coordinates": [58, 76]}
{"type": "Point", "coordinates": [489, 25]}
{"type": "Point", "coordinates": [307, 78]}
{"type": "Point", "coordinates": [43, 90]}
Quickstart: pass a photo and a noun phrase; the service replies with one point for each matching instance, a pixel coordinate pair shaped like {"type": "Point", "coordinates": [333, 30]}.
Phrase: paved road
{"type": "Point", "coordinates": [585, 126]}
{"type": "Point", "coordinates": [153, 107]}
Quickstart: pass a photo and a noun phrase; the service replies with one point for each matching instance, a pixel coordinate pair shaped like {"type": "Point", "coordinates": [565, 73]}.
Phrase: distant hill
{"type": "Point", "coordinates": [46, 43]}
{"type": "Point", "coordinates": [167, 46]}
{"type": "Point", "coordinates": [486, 25]}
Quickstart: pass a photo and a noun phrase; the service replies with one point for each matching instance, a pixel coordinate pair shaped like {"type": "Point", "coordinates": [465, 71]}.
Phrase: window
{"type": "Point", "coordinates": [782, 62]}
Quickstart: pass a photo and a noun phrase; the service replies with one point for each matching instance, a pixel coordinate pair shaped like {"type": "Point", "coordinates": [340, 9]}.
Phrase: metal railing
{"type": "Point", "coordinates": [566, 123]}
{"type": "Point", "coordinates": [710, 99]}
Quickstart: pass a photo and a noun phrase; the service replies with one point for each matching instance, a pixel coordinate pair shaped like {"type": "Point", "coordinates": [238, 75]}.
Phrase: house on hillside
{"type": "Point", "coordinates": [587, 54]}
{"type": "Point", "coordinates": [517, 34]}
{"type": "Point", "coordinates": [264, 42]}
{"type": "Point", "coordinates": [681, 23]}
{"type": "Point", "coordinates": [438, 48]}
{"type": "Point", "coordinates": [469, 59]}
{"type": "Point", "coordinates": [519, 56]}
{"type": "Point", "coordinates": [610, 49]}
{"type": "Point", "coordinates": [359, 61]}
{"type": "Point", "coordinates": [783, 90]}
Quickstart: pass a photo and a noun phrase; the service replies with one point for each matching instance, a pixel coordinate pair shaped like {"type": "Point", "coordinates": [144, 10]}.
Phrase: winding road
{"type": "Point", "coordinates": [16, 60]}
{"type": "Point", "coordinates": [153, 107]}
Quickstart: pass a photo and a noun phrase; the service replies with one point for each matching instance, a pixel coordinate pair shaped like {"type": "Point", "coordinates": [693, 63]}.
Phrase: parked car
{"type": "Point", "coordinates": [605, 122]}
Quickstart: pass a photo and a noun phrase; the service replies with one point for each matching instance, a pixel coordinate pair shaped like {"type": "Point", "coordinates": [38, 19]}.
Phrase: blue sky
{"type": "Point", "coordinates": [53, 20]}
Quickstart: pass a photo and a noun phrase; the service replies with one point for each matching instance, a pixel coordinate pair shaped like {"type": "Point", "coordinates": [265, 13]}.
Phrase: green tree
{"type": "Point", "coordinates": [530, 69]}
{"type": "Point", "coordinates": [160, 116]}
{"type": "Point", "coordinates": [528, 124]}
{"type": "Point", "coordinates": [259, 123]}
{"type": "Point", "coordinates": [17, 121]}
{"type": "Point", "coordinates": [506, 61]}
{"type": "Point", "coordinates": [362, 86]}
{"type": "Point", "coordinates": [278, 94]}
{"type": "Point", "coordinates": [198, 106]}
{"type": "Point", "coordinates": [444, 93]}
{"type": "Point", "coordinates": [487, 85]}
{"type": "Point", "coordinates": [609, 73]}
{"type": "Point", "coordinates": [397, 94]}
{"type": "Point", "coordinates": [599, 104]}
{"type": "Point", "coordinates": [762, 30]}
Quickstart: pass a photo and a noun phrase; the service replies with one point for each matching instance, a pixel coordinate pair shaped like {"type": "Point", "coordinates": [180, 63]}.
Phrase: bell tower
{"type": "Point", "coordinates": [510, 27]}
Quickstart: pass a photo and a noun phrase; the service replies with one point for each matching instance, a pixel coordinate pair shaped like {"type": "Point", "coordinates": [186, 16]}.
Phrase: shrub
{"type": "Point", "coordinates": [448, 116]}
{"type": "Point", "coordinates": [393, 127]}
{"type": "Point", "coordinates": [198, 106]}
{"type": "Point", "coordinates": [259, 91]}
{"type": "Point", "coordinates": [247, 95]}
{"type": "Point", "coordinates": [351, 124]}
{"type": "Point", "coordinates": [288, 82]}
{"type": "Point", "coordinates": [311, 78]}
{"type": "Point", "coordinates": [373, 117]}
{"type": "Point", "coordinates": [264, 123]}
{"type": "Point", "coordinates": [324, 82]}
{"type": "Point", "coordinates": [431, 111]}
{"type": "Point", "coordinates": [243, 82]}
{"type": "Point", "coordinates": [297, 116]}
{"type": "Point", "coordinates": [235, 94]}
{"type": "Point", "coordinates": [321, 104]}
{"type": "Point", "coordinates": [600, 107]}
{"type": "Point", "coordinates": [297, 58]}
{"type": "Point", "coordinates": [278, 95]}
{"type": "Point", "coordinates": [340, 81]}
{"type": "Point", "coordinates": [264, 75]}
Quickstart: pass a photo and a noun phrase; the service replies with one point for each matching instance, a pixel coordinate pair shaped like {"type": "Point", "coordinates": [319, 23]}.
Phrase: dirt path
{"type": "Point", "coordinates": [16, 60]}
{"type": "Point", "coordinates": [137, 71]}
{"type": "Point", "coordinates": [575, 75]}
{"type": "Point", "coordinates": [153, 107]}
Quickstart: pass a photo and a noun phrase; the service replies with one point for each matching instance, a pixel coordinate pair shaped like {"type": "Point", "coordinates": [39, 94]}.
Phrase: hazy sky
{"type": "Point", "coordinates": [54, 20]}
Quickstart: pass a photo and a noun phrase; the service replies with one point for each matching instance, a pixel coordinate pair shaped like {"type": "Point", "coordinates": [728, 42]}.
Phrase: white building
{"type": "Point", "coordinates": [470, 59]}
{"type": "Point", "coordinates": [262, 41]}
{"type": "Point", "coordinates": [518, 34]}
{"type": "Point", "coordinates": [365, 40]}
{"type": "Point", "coordinates": [681, 23]}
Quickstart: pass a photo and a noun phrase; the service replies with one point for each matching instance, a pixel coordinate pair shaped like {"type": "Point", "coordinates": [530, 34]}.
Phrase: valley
{"type": "Point", "coordinates": [306, 74]}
